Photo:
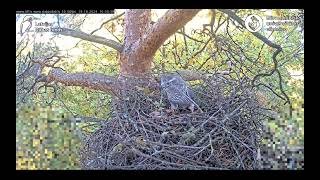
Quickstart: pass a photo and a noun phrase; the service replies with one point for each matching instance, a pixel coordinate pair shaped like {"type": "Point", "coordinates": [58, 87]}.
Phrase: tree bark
{"type": "Point", "coordinates": [131, 61]}
{"type": "Point", "coordinates": [94, 81]}
{"type": "Point", "coordinates": [142, 39]}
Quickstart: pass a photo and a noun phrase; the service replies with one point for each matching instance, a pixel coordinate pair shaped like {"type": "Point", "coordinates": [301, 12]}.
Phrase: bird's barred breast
{"type": "Point", "coordinates": [179, 98]}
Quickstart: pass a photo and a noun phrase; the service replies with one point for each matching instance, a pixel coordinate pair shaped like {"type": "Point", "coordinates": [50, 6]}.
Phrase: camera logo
{"type": "Point", "coordinates": [26, 24]}
{"type": "Point", "coordinates": [253, 23]}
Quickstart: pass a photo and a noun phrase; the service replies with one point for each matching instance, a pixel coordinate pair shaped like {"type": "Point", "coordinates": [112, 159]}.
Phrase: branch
{"type": "Point", "coordinates": [189, 75]}
{"type": "Point", "coordinates": [256, 34]}
{"type": "Point", "coordinates": [275, 54]}
{"type": "Point", "coordinates": [198, 52]}
{"type": "Point", "coordinates": [262, 38]}
{"type": "Point", "coordinates": [94, 81]}
{"type": "Point", "coordinates": [111, 19]}
{"type": "Point", "coordinates": [186, 35]}
{"type": "Point", "coordinates": [92, 38]}
{"type": "Point", "coordinates": [172, 21]}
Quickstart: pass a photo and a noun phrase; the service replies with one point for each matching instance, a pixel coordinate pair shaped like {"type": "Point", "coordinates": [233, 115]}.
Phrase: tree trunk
{"type": "Point", "coordinates": [132, 62]}
{"type": "Point", "coordinates": [142, 39]}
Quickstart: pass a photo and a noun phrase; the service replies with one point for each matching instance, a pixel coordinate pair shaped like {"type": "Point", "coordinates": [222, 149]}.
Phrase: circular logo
{"type": "Point", "coordinates": [253, 23]}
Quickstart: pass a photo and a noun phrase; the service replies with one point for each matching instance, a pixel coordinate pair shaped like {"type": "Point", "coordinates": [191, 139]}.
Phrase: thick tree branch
{"type": "Point", "coordinates": [108, 84]}
{"type": "Point", "coordinates": [94, 81]}
{"type": "Point", "coordinates": [172, 21]}
{"type": "Point", "coordinates": [92, 38]}
{"type": "Point", "coordinates": [143, 39]}
{"type": "Point", "coordinates": [189, 75]}
{"type": "Point", "coordinates": [137, 22]}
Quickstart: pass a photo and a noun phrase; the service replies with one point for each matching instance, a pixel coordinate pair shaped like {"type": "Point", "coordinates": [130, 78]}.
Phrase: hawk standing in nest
{"type": "Point", "coordinates": [179, 94]}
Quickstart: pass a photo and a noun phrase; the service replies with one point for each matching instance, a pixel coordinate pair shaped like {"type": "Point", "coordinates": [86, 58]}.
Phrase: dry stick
{"type": "Point", "coordinates": [111, 19]}
{"type": "Point", "coordinates": [233, 146]}
{"type": "Point", "coordinates": [175, 49]}
{"type": "Point", "coordinates": [211, 153]}
{"type": "Point", "coordinates": [198, 52]}
{"type": "Point", "coordinates": [231, 114]}
{"type": "Point", "coordinates": [202, 124]}
{"type": "Point", "coordinates": [144, 129]}
{"type": "Point", "coordinates": [184, 34]}
{"type": "Point", "coordinates": [206, 60]}
{"type": "Point", "coordinates": [228, 33]}
{"type": "Point", "coordinates": [208, 134]}
{"type": "Point", "coordinates": [173, 146]}
{"type": "Point", "coordinates": [268, 87]}
{"type": "Point", "coordinates": [22, 49]}
{"type": "Point", "coordinates": [185, 41]}
{"type": "Point", "coordinates": [170, 163]}
{"type": "Point", "coordinates": [234, 137]}
{"type": "Point", "coordinates": [155, 153]}
{"type": "Point", "coordinates": [129, 118]}
{"type": "Point", "coordinates": [114, 36]}
{"type": "Point", "coordinates": [181, 157]}
{"type": "Point", "coordinates": [202, 139]}
{"type": "Point", "coordinates": [119, 120]}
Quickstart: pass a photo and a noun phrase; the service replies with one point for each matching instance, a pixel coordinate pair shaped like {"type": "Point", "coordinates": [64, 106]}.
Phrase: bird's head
{"type": "Point", "coordinates": [166, 80]}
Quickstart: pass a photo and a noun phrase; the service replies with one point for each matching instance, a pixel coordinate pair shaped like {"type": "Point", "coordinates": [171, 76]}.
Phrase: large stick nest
{"type": "Point", "coordinates": [142, 134]}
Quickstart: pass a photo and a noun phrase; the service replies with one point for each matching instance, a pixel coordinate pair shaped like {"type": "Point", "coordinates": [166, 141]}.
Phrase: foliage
{"type": "Point", "coordinates": [44, 139]}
